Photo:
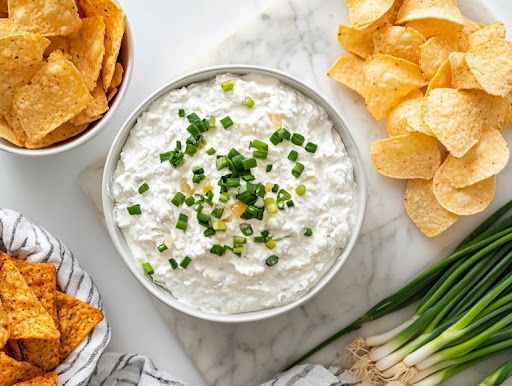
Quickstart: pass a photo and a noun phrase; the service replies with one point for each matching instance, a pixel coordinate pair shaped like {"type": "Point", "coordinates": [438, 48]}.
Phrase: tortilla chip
{"type": "Point", "coordinates": [433, 14]}
{"type": "Point", "coordinates": [115, 20]}
{"type": "Point", "coordinates": [436, 50]}
{"type": "Point", "coordinates": [486, 159]}
{"type": "Point", "coordinates": [48, 379]}
{"type": "Point", "coordinates": [4, 326]}
{"type": "Point", "coordinates": [348, 70]}
{"type": "Point", "coordinates": [14, 371]}
{"type": "Point", "coordinates": [402, 42]}
{"type": "Point", "coordinates": [3, 8]}
{"type": "Point", "coordinates": [94, 109]}
{"type": "Point", "coordinates": [442, 78]}
{"type": "Point", "coordinates": [412, 155]}
{"type": "Point", "coordinates": [387, 81]}
{"type": "Point", "coordinates": [46, 17]}
{"type": "Point", "coordinates": [462, 77]}
{"type": "Point", "coordinates": [63, 132]}
{"type": "Point", "coordinates": [26, 316]}
{"type": "Point", "coordinates": [396, 123]}
{"type": "Point", "coordinates": [364, 12]}
{"type": "Point", "coordinates": [8, 27]}
{"type": "Point", "coordinates": [493, 31]}
{"type": "Point", "coordinates": [77, 319]}
{"type": "Point", "coordinates": [471, 26]}
{"type": "Point", "coordinates": [490, 63]}
{"type": "Point", "coordinates": [458, 117]}
{"type": "Point", "coordinates": [7, 133]}
{"type": "Point", "coordinates": [111, 94]}
{"type": "Point", "coordinates": [358, 41]}
{"type": "Point", "coordinates": [415, 122]}
{"type": "Point", "coordinates": [55, 94]}
{"type": "Point", "coordinates": [463, 201]}
{"type": "Point", "coordinates": [20, 58]}
{"type": "Point", "coordinates": [117, 78]}
{"type": "Point", "coordinates": [424, 209]}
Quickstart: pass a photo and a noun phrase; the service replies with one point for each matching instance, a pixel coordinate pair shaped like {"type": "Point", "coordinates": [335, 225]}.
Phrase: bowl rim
{"type": "Point", "coordinates": [206, 73]}
{"type": "Point", "coordinates": [98, 126]}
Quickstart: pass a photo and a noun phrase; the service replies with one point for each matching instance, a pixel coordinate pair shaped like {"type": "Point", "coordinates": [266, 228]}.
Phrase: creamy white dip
{"type": "Point", "coordinates": [229, 283]}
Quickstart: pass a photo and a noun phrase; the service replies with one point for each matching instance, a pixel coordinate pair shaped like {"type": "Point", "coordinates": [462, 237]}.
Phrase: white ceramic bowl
{"type": "Point", "coordinates": [202, 75]}
{"type": "Point", "coordinates": [126, 59]}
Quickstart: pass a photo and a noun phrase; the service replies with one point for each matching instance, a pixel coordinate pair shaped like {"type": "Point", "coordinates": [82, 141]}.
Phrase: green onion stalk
{"type": "Point", "coordinates": [500, 375]}
{"type": "Point", "coordinates": [464, 314]}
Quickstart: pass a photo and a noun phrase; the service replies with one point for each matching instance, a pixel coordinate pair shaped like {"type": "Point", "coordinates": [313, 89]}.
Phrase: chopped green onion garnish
{"type": "Point", "coordinates": [249, 163]}
{"type": "Point", "coordinates": [284, 134]}
{"type": "Point", "coordinates": [173, 263]}
{"type": "Point", "coordinates": [300, 189]}
{"type": "Point", "coordinates": [246, 229]}
{"type": "Point", "coordinates": [272, 260]}
{"type": "Point", "coordinates": [226, 122]}
{"type": "Point", "coordinates": [283, 195]}
{"type": "Point", "coordinates": [311, 147]}
{"type": "Point", "coordinates": [217, 212]}
{"type": "Point", "coordinates": [259, 145]}
{"type": "Point", "coordinates": [198, 207]}
{"type": "Point", "coordinates": [297, 139]}
{"type": "Point", "coordinates": [270, 205]}
{"type": "Point", "coordinates": [193, 130]}
{"type": "Point", "coordinates": [143, 188]}
{"type": "Point", "coordinates": [211, 123]}
{"type": "Point", "coordinates": [228, 85]}
{"type": "Point", "coordinates": [275, 138]}
{"type": "Point", "coordinates": [237, 240]}
{"type": "Point", "coordinates": [178, 199]}
{"type": "Point", "coordinates": [232, 182]}
{"type": "Point", "coordinates": [260, 239]}
{"type": "Point", "coordinates": [269, 168]}
{"type": "Point", "coordinates": [134, 210]}
{"type": "Point", "coordinates": [290, 203]}
{"type": "Point", "coordinates": [185, 262]}
{"type": "Point", "coordinates": [193, 118]}
{"type": "Point", "coordinates": [148, 268]}
{"type": "Point", "coordinates": [211, 151]}
{"type": "Point", "coordinates": [293, 155]}
{"type": "Point", "coordinates": [181, 113]}
{"type": "Point", "coordinates": [238, 250]}
{"type": "Point", "coordinates": [224, 197]}
{"type": "Point", "coordinates": [203, 218]}
{"type": "Point", "coordinates": [197, 178]}
{"type": "Point", "coordinates": [308, 232]}
{"type": "Point", "coordinates": [219, 225]}
{"type": "Point", "coordinates": [233, 152]}
{"type": "Point", "coordinates": [218, 249]}
{"type": "Point", "coordinates": [197, 170]}
{"type": "Point", "coordinates": [275, 188]}
{"type": "Point", "coordinates": [209, 232]}
{"type": "Point", "coordinates": [190, 201]}
{"type": "Point", "coordinates": [248, 177]}
{"type": "Point", "coordinates": [162, 248]}
{"type": "Point", "coordinates": [270, 244]}
{"type": "Point", "coordinates": [259, 154]}
{"type": "Point", "coordinates": [297, 170]}
{"type": "Point", "coordinates": [182, 222]}
{"type": "Point", "coordinates": [178, 145]}
{"type": "Point", "coordinates": [190, 149]}
{"type": "Point", "coordinates": [222, 162]}
{"type": "Point", "coordinates": [248, 102]}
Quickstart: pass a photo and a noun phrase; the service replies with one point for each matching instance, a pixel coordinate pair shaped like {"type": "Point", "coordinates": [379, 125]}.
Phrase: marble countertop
{"type": "Point", "coordinates": [387, 253]}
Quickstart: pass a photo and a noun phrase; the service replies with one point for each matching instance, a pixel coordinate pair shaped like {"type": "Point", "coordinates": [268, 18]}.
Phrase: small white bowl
{"type": "Point", "coordinates": [126, 58]}
{"type": "Point", "coordinates": [199, 76]}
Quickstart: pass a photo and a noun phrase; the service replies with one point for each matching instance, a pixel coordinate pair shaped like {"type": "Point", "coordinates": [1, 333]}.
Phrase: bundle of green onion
{"type": "Point", "coordinates": [500, 375]}
{"type": "Point", "coordinates": [464, 315]}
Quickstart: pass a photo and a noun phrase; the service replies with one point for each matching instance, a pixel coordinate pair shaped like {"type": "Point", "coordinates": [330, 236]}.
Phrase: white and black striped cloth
{"type": "Point", "coordinates": [88, 364]}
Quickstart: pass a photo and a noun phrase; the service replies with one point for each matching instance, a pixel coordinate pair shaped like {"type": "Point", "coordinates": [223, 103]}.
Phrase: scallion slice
{"type": "Point", "coordinates": [290, 203]}
{"type": "Point", "coordinates": [226, 122]}
{"type": "Point", "coordinates": [203, 218]}
{"type": "Point", "coordinates": [300, 189]}
{"type": "Point", "coordinates": [259, 154]}
{"type": "Point", "coordinates": [246, 229]}
{"type": "Point", "coordinates": [308, 232]}
{"type": "Point", "coordinates": [248, 102]}
{"type": "Point", "coordinates": [297, 170]}
{"type": "Point", "coordinates": [222, 162]}
{"type": "Point", "coordinates": [270, 205]}
{"type": "Point", "coordinates": [209, 232]}
{"type": "Point", "coordinates": [173, 263]}
{"type": "Point", "coordinates": [181, 113]}
{"type": "Point", "coordinates": [211, 123]}
{"type": "Point", "coordinates": [297, 139]}
{"type": "Point", "coordinates": [178, 199]}
{"type": "Point", "coordinates": [143, 188]}
{"type": "Point", "coordinates": [293, 155]}
{"type": "Point", "coordinates": [190, 149]}
{"type": "Point", "coordinates": [182, 222]}
{"type": "Point", "coordinates": [228, 85]}
{"type": "Point", "coordinates": [217, 212]}
{"type": "Point", "coordinates": [193, 118]}
{"type": "Point", "coordinates": [272, 260]}
{"type": "Point", "coordinates": [275, 138]}
{"type": "Point", "coordinates": [283, 133]}
{"type": "Point", "coordinates": [224, 197]}
{"type": "Point", "coordinates": [270, 244]}
{"type": "Point", "coordinates": [185, 262]}
{"type": "Point", "coordinates": [232, 182]}
{"type": "Point", "coordinates": [210, 151]}
{"type": "Point", "coordinates": [197, 178]}
{"type": "Point", "coordinates": [238, 250]}
{"type": "Point", "coordinates": [259, 145]}
{"type": "Point", "coordinates": [218, 249]}
{"type": "Point", "coordinates": [190, 201]}
{"type": "Point", "coordinates": [269, 168]}
{"type": "Point", "coordinates": [311, 147]}
{"type": "Point", "coordinates": [148, 268]}
{"type": "Point", "coordinates": [162, 248]}
{"type": "Point", "coordinates": [275, 189]}
{"type": "Point", "coordinates": [134, 210]}
{"type": "Point", "coordinates": [249, 163]}
{"type": "Point", "coordinates": [219, 225]}
{"type": "Point", "coordinates": [237, 240]}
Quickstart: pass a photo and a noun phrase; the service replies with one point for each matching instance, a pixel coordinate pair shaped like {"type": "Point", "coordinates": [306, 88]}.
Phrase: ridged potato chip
{"type": "Point", "coordinates": [402, 42]}
{"type": "Point", "coordinates": [358, 41]}
{"type": "Point", "coordinates": [365, 12]}
{"type": "Point", "coordinates": [462, 77]}
{"type": "Point", "coordinates": [489, 32]}
{"type": "Point", "coordinates": [442, 78]}
{"type": "Point", "coordinates": [412, 155]}
{"type": "Point", "coordinates": [465, 201]}
{"type": "Point", "coordinates": [491, 64]}
{"type": "Point", "coordinates": [46, 17]}
{"type": "Point", "coordinates": [486, 159]}
{"type": "Point", "coordinates": [387, 81]}
{"type": "Point", "coordinates": [396, 122]}
{"type": "Point", "coordinates": [348, 70]}
{"type": "Point", "coordinates": [424, 209]}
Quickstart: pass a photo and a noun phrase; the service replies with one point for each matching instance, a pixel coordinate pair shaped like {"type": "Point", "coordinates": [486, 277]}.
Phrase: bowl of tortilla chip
{"type": "Point", "coordinates": [65, 66]}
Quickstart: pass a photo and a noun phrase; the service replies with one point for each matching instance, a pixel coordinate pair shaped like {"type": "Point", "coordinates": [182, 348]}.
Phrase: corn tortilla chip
{"type": "Point", "coordinates": [432, 10]}
{"type": "Point", "coordinates": [46, 17]}
{"type": "Point", "coordinates": [486, 159]}
{"type": "Point", "coordinates": [4, 326]}
{"type": "Point", "coordinates": [412, 155]}
{"type": "Point", "coordinates": [111, 94]}
{"type": "Point", "coordinates": [348, 70]}
{"type": "Point", "coordinates": [365, 12]}
{"type": "Point", "coordinates": [94, 109]}
{"type": "Point", "coordinates": [55, 94]}
{"type": "Point", "coordinates": [387, 81]}
{"type": "Point", "coordinates": [396, 123]}
{"type": "Point", "coordinates": [43, 353]}
{"type": "Point", "coordinates": [77, 319]}
{"type": "Point", "coordinates": [8, 27]}
{"type": "Point", "coordinates": [490, 63]}
{"type": "Point", "coordinates": [3, 8]}
{"type": "Point", "coordinates": [465, 201]}
{"type": "Point", "coordinates": [115, 20]}
{"type": "Point", "coordinates": [117, 78]}
{"type": "Point", "coordinates": [63, 132]}
{"type": "Point", "coordinates": [462, 77]}
{"type": "Point", "coordinates": [358, 41]}
{"type": "Point", "coordinates": [458, 117]}
{"type": "Point", "coordinates": [26, 316]}
{"type": "Point", "coordinates": [435, 51]}
{"type": "Point", "coordinates": [471, 26]}
{"type": "Point", "coordinates": [402, 42]}
{"type": "Point", "coordinates": [15, 124]}
{"type": "Point", "coordinates": [7, 133]}
{"type": "Point", "coordinates": [493, 31]}
{"type": "Point", "coordinates": [415, 122]}
{"type": "Point", "coordinates": [20, 58]}
{"type": "Point", "coordinates": [48, 379]}
{"type": "Point", "coordinates": [14, 371]}
{"type": "Point", "coordinates": [442, 78]}
{"type": "Point", "coordinates": [424, 209]}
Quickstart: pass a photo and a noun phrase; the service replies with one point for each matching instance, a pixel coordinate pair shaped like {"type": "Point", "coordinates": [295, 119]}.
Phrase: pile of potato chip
{"type": "Point", "coordinates": [58, 67]}
{"type": "Point", "coordinates": [39, 325]}
{"type": "Point", "coordinates": [444, 84]}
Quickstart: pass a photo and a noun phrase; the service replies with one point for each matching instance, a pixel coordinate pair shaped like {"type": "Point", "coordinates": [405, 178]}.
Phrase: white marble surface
{"type": "Point", "coordinates": [389, 251]}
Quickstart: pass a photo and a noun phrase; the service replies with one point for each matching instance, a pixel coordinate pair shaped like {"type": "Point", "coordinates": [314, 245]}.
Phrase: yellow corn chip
{"type": "Point", "coordinates": [115, 20]}
{"type": "Point", "coordinates": [442, 78]}
{"type": "Point", "coordinates": [444, 13]}
{"type": "Point", "coordinates": [433, 27]}
{"type": "Point", "coordinates": [486, 159]}
{"type": "Point", "coordinates": [462, 77]}
{"type": "Point", "coordinates": [4, 326]}
{"type": "Point", "coordinates": [63, 132]}
{"type": "Point", "coordinates": [493, 31]}
{"type": "Point", "coordinates": [463, 201]}
{"type": "Point", "coordinates": [387, 81]}
{"type": "Point", "coordinates": [55, 94]}
{"type": "Point", "coordinates": [117, 78]}
{"type": "Point", "coordinates": [8, 27]}
{"type": "Point", "coordinates": [396, 123]}
{"type": "Point", "coordinates": [94, 109]}
{"type": "Point", "coordinates": [348, 70]}
{"type": "Point", "coordinates": [111, 94]}
{"type": "Point", "coordinates": [77, 319]}
{"type": "Point", "coordinates": [14, 123]}
{"type": "Point", "coordinates": [401, 42]}
{"type": "Point", "coordinates": [471, 26]}
{"type": "Point", "coordinates": [358, 41]}
{"type": "Point", "coordinates": [436, 50]}
{"type": "Point", "coordinates": [14, 371]}
{"type": "Point", "coordinates": [48, 379]}
{"type": "Point", "coordinates": [46, 17]}
{"type": "Point", "coordinates": [415, 122]}
{"type": "Point", "coordinates": [365, 12]}
{"type": "Point", "coordinates": [412, 155]}
{"type": "Point", "coordinates": [7, 133]}
{"type": "Point", "coordinates": [424, 209]}
{"type": "Point", "coordinates": [3, 8]}
{"type": "Point", "coordinates": [491, 64]}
